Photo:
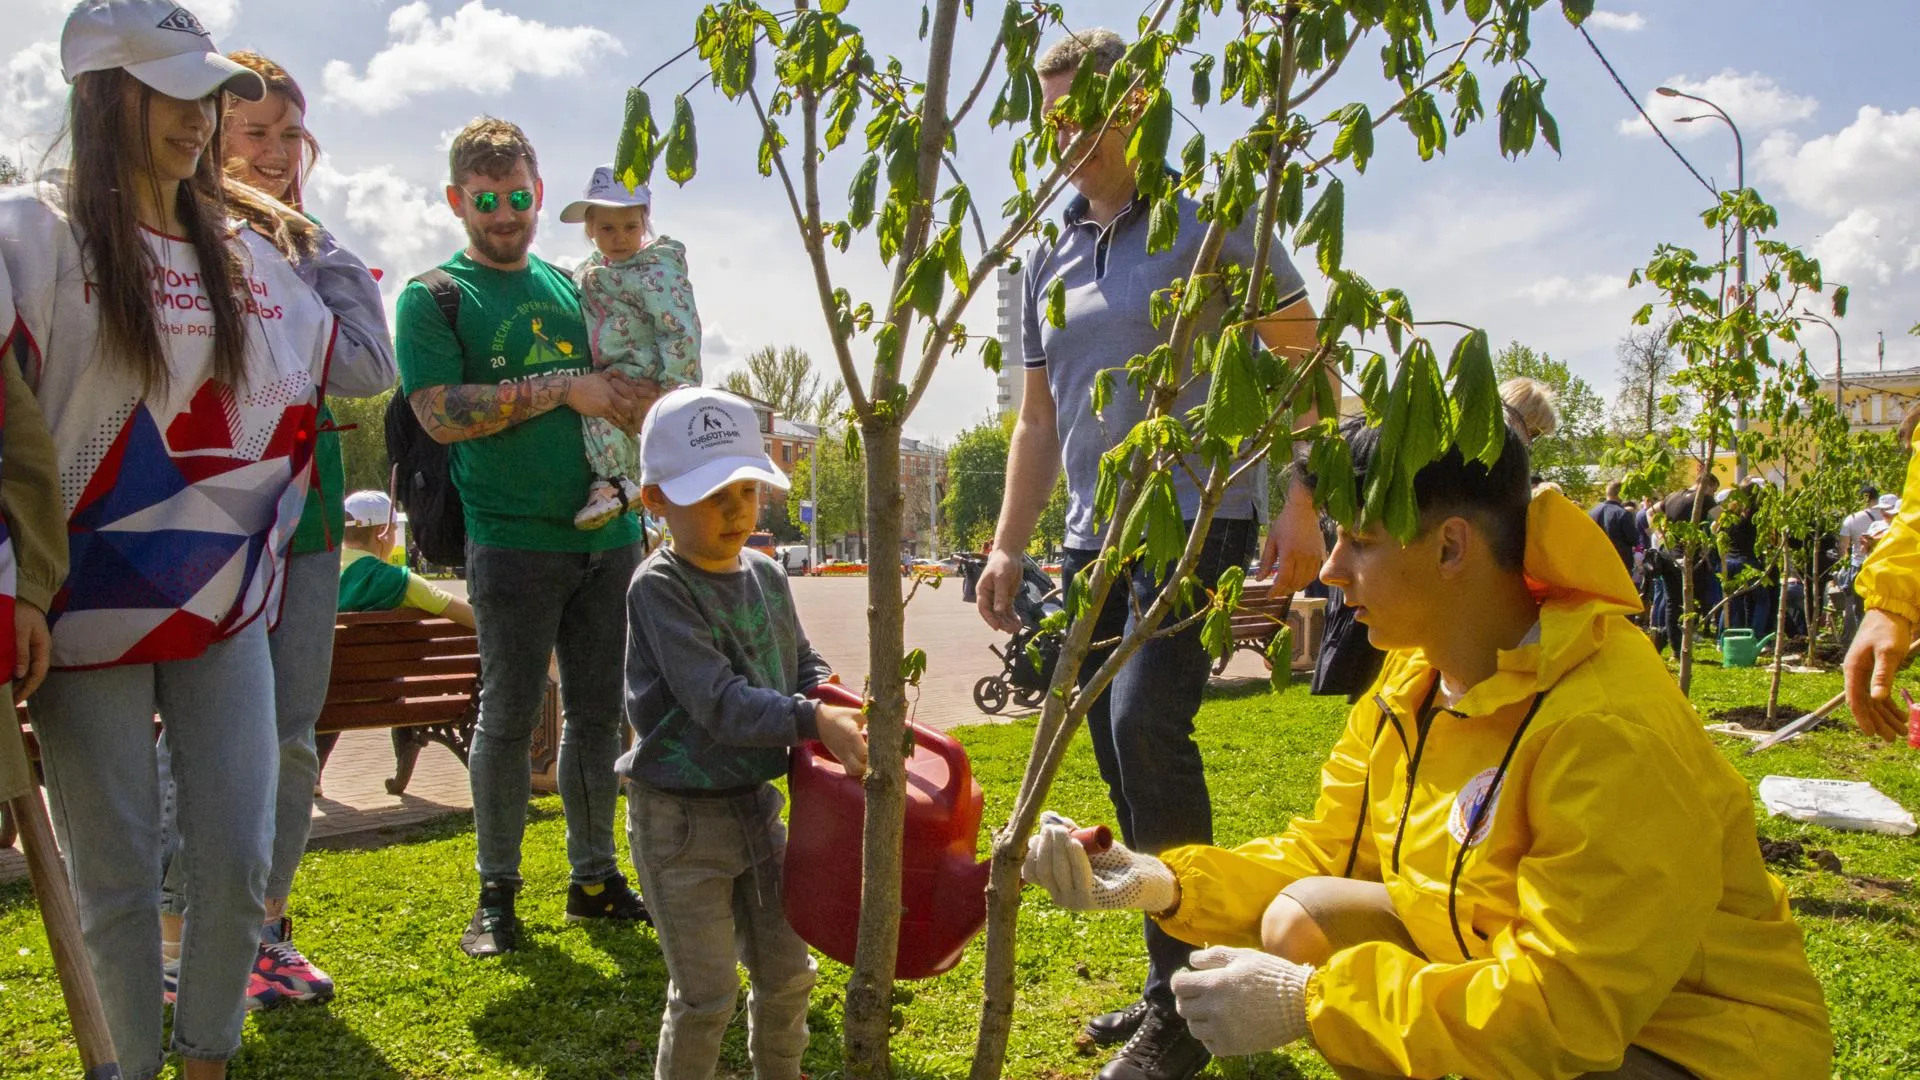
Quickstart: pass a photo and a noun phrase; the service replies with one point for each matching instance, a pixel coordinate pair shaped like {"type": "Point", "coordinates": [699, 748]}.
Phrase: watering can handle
{"type": "Point", "coordinates": [833, 693]}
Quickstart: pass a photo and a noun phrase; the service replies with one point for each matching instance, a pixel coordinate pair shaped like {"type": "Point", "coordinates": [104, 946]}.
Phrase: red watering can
{"type": "Point", "coordinates": [942, 887]}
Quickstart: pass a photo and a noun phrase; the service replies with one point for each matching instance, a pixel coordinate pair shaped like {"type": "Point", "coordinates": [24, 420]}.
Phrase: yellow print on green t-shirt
{"type": "Point", "coordinates": [527, 334]}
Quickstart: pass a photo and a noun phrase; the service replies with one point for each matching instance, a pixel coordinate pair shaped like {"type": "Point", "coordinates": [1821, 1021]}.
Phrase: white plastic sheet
{"type": "Point", "coordinates": [1837, 804]}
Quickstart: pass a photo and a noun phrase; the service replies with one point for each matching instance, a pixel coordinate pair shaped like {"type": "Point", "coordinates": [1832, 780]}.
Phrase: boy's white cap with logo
{"type": "Point", "coordinates": [369, 508]}
{"type": "Point", "coordinates": [698, 440]}
{"type": "Point", "coordinates": [156, 41]}
{"type": "Point", "coordinates": [605, 190]}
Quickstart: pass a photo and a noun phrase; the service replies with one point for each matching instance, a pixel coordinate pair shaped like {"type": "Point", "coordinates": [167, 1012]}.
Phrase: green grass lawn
{"type": "Point", "coordinates": [580, 1003]}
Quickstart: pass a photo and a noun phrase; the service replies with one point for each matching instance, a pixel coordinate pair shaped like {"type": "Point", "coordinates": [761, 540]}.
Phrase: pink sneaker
{"type": "Point", "coordinates": [281, 975]}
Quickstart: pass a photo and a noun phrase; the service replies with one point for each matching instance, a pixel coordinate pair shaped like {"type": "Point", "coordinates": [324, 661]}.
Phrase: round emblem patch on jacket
{"type": "Point", "coordinates": [1475, 805]}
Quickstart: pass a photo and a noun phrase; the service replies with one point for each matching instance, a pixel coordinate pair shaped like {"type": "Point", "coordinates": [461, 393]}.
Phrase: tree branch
{"type": "Point", "coordinates": [980, 84]}
{"type": "Point", "coordinates": [1326, 76]}
{"type": "Point", "coordinates": [807, 221]}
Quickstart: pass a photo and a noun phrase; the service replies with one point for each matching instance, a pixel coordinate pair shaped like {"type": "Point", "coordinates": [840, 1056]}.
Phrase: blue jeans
{"type": "Point", "coordinates": [710, 868]}
{"type": "Point", "coordinates": [302, 651]}
{"type": "Point", "coordinates": [529, 605]}
{"type": "Point", "coordinates": [1142, 729]}
{"type": "Point", "coordinates": [96, 738]}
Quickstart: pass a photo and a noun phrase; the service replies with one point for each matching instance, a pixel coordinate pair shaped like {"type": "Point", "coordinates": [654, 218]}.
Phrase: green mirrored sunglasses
{"type": "Point", "coordinates": [486, 202]}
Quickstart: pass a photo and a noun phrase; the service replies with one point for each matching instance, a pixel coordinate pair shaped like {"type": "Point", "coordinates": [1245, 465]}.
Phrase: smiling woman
{"type": "Point", "coordinates": [266, 142]}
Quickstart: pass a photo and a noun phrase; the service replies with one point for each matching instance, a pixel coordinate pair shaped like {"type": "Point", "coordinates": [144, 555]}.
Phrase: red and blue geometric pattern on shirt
{"type": "Point", "coordinates": [172, 540]}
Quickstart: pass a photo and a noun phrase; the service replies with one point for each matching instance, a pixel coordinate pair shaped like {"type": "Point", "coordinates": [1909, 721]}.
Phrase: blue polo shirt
{"type": "Point", "coordinates": [1109, 282]}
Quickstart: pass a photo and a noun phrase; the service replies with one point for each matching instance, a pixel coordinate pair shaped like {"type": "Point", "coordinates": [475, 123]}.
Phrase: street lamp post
{"type": "Point", "coordinates": [1839, 373]}
{"type": "Point", "coordinates": [1740, 181]}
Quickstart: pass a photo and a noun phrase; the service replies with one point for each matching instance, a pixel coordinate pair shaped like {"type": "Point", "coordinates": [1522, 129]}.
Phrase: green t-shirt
{"type": "Point", "coordinates": [522, 485]}
{"type": "Point", "coordinates": [368, 584]}
{"type": "Point", "coordinates": [325, 518]}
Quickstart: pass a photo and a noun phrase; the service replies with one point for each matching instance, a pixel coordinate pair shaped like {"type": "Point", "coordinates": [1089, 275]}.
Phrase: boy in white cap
{"type": "Point", "coordinates": [716, 668]}
{"type": "Point", "coordinates": [641, 322]}
{"type": "Point", "coordinates": [368, 582]}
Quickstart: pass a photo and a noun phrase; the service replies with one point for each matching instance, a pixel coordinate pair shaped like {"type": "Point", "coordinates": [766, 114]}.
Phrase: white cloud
{"type": "Point", "coordinates": [36, 98]}
{"type": "Point", "coordinates": [1626, 21]}
{"type": "Point", "coordinates": [716, 345]}
{"type": "Point", "coordinates": [1859, 183]}
{"type": "Point", "coordinates": [1588, 289]}
{"type": "Point", "coordinates": [1852, 190]}
{"type": "Point", "coordinates": [218, 16]}
{"type": "Point", "coordinates": [477, 49]}
{"type": "Point", "coordinates": [1754, 101]}
{"type": "Point", "coordinates": [390, 221]}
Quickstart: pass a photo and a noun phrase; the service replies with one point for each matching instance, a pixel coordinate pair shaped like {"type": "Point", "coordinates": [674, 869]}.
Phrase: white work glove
{"type": "Point", "coordinates": [1242, 1001]}
{"type": "Point", "coordinates": [1079, 881]}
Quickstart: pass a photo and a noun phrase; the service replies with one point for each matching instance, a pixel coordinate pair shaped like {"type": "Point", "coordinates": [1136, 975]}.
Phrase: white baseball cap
{"type": "Point", "coordinates": [158, 42]}
{"type": "Point", "coordinates": [698, 440]}
{"type": "Point", "coordinates": [1889, 503]}
{"type": "Point", "coordinates": [369, 508]}
{"type": "Point", "coordinates": [605, 190]}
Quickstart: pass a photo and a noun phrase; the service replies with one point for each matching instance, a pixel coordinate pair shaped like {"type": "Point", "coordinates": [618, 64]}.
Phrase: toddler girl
{"type": "Point", "coordinates": [641, 322]}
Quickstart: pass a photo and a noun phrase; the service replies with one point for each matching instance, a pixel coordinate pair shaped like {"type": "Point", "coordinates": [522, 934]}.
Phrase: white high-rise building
{"type": "Point", "coordinates": [1013, 375]}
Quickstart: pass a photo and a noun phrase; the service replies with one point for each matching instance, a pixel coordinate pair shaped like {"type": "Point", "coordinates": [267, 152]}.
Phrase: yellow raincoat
{"type": "Point", "coordinates": [1889, 580]}
{"type": "Point", "coordinates": [1614, 894]}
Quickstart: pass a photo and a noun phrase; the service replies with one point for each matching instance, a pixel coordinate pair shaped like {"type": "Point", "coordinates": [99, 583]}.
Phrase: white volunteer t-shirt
{"type": "Point", "coordinates": [179, 507]}
{"type": "Point", "coordinates": [1853, 529]}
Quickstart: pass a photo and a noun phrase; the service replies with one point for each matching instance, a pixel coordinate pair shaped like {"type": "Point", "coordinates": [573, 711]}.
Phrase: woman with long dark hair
{"type": "Point", "coordinates": [177, 362]}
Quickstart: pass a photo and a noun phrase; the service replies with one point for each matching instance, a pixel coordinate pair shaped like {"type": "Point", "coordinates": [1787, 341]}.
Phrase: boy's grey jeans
{"type": "Point", "coordinates": [529, 605]}
{"type": "Point", "coordinates": [710, 869]}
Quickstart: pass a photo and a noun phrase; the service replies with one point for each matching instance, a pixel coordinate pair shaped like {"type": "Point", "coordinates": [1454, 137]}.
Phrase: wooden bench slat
{"type": "Point", "coordinates": [401, 691]}
{"type": "Point", "coordinates": [351, 652]}
{"type": "Point", "coordinates": [366, 670]}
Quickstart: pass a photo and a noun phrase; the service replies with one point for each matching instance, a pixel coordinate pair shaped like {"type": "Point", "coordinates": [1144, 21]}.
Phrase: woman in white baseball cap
{"type": "Point", "coordinates": [174, 359]}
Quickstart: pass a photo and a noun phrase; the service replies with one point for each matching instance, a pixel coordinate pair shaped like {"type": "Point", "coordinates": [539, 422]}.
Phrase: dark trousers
{"type": "Point", "coordinates": [1142, 729]}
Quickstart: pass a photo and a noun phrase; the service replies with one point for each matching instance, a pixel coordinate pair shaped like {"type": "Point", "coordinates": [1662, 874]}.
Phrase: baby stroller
{"type": "Point", "coordinates": [1018, 679]}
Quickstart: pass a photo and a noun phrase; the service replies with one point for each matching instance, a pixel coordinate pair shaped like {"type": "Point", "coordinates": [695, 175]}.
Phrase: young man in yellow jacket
{"type": "Point", "coordinates": [1527, 860]}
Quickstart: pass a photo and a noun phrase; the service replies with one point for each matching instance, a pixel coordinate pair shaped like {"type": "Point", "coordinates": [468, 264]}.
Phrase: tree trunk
{"type": "Point", "coordinates": [870, 985]}
{"type": "Point", "coordinates": [1779, 630]}
{"type": "Point", "coordinates": [1688, 551]}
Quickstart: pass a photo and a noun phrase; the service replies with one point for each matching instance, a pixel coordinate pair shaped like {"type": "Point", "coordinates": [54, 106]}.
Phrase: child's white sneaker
{"type": "Point", "coordinates": [604, 503]}
{"type": "Point", "coordinates": [629, 491]}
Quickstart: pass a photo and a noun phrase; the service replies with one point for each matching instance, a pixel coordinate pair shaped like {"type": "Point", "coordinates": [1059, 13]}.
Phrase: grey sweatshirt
{"type": "Point", "coordinates": [715, 666]}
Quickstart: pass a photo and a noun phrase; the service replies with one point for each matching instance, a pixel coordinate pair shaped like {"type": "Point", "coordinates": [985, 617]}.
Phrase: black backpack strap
{"type": "Point", "coordinates": [446, 294]}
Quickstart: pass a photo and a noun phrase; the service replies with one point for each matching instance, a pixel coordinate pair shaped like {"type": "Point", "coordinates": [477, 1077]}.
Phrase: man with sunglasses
{"type": "Point", "coordinates": [494, 360]}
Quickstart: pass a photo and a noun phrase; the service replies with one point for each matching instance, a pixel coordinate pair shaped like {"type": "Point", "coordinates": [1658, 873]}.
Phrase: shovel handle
{"type": "Point", "coordinates": [64, 940]}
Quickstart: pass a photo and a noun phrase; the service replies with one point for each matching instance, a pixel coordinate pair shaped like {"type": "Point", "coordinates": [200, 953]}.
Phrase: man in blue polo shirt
{"type": "Point", "coordinates": [1142, 729]}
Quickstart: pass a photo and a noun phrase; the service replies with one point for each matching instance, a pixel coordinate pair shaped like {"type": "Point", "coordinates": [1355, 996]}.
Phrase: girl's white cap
{"type": "Point", "coordinates": [156, 41]}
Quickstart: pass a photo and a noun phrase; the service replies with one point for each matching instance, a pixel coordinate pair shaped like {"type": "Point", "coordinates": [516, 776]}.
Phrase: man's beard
{"type": "Point", "coordinates": [498, 249]}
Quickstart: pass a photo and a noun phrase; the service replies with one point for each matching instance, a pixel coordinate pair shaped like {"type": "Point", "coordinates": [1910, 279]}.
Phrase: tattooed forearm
{"type": "Point", "coordinates": [455, 413]}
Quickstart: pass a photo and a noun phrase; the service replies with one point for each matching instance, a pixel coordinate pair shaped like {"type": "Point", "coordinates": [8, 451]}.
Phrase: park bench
{"type": "Point", "coordinates": [1258, 618]}
{"type": "Point", "coordinates": [416, 674]}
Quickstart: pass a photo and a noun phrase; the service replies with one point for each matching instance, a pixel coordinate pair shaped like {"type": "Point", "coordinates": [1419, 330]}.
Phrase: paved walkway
{"type": "Point", "coordinates": [834, 612]}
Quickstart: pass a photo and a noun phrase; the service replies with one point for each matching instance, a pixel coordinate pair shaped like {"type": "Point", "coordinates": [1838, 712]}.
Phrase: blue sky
{"type": "Point", "coordinates": [1536, 250]}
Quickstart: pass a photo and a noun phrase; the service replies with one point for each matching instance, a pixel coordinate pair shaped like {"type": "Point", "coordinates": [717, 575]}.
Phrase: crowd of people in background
{"type": "Point", "coordinates": [1736, 570]}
